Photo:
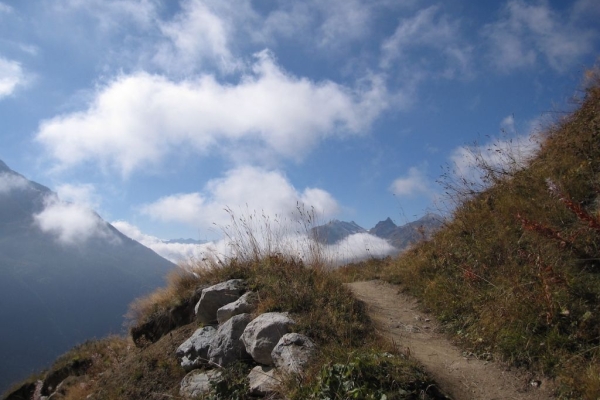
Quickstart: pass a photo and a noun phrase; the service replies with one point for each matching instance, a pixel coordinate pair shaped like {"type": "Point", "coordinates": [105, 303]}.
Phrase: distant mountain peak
{"type": "Point", "coordinates": [383, 229]}
{"type": "Point", "coordinates": [4, 167]}
{"type": "Point", "coordinates": [335, 230]}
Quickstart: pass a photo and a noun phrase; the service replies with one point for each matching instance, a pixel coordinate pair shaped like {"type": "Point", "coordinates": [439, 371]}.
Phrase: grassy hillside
{"type": "Point", "coordinates": [516, 271]}
{"type": "Point", "coordinates": [352, 361]}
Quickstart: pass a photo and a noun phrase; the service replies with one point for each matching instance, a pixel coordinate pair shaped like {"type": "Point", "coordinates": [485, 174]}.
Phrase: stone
{"type": "Point", "coordinates": [262, 334]}
{"type": "Point", "coordinates": [226, 346]}
{"type": "Point", "coordinates": [197, 383]}
{"type": "Point", "coordinates": [215, 297]}
{"type": "Point", "coordinates": [54, 378]}
{"type": "Point", "coordinates": [262, 381]}
{"type": "Point", "coordinates": [165, 321]}
{"type": "Point", "coordinates": [193, 353]}
{"type": "Point", "coordinates": [23, 392]}
{"type": "Point", "coordinates": [293, 352]}
{"type": "Point", "coordinates": [245, 304]}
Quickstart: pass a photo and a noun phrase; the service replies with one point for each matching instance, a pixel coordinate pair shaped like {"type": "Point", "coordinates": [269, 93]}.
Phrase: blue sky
{"type": "Point", "coordinates": [158, 114]}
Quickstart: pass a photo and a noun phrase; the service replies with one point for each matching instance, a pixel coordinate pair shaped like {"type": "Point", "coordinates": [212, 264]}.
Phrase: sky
{"type": "Point", "coordinates": [161, 114]}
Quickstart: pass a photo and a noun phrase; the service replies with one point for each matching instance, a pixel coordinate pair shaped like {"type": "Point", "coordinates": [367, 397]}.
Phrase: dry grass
{"type": "Point", "coordinates": [319, 303]}
{"type": "Point", "coordinates": [517, 270]}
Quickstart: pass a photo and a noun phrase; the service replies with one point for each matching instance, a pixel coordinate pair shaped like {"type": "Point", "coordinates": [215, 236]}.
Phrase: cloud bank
{"type": "Point", "coordinates": [174, 252]}
{"type": "Point", "coordinates": [71, 224]}
{"type": "Point", "coordinates": [245, 190]}
{"type": "Point", "coordinates": [138, 120]}
{"type": "Point", "coordinates": [10, 182]}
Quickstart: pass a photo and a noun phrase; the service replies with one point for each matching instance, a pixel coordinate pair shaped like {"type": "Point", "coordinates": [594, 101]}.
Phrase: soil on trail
{"type": "Point", "coordinates": [459, 375]}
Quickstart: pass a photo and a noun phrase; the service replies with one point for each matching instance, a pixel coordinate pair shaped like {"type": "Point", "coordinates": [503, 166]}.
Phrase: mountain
{"type": "Point", "coordinates": [335, 230]}
{"type": "Point", "coordinates": [404, 235]}
{"type": "Point", "coordinates": [398, 236]}
{"type": "Point", "coordinates": [66, 276]}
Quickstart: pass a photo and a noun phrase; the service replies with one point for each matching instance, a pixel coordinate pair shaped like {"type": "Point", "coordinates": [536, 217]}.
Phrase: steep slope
{"type": "Point", "coordinates": [516, 272]}
{"type": "Point", "coordinates": [54, 294]}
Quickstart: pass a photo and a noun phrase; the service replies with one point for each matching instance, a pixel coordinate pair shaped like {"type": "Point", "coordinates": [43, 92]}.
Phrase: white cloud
{"type": "Point", "coordinates": [330, 24]}
{"type": "Point", "coordinates": [359, 246]}
{"type": "Point", "coordinates": [5, 8]}
{"type": "Point", "coordinates": [11, 77]}
{"type": "Point", "coordinates": [345, 21]}
{"type": "Point", "coordinates": [203, 32]}
{"type": "Point", "coordinates": [478, 165]}
{"type": "Point", "coordinates": [10, 182]}
{"type": "Point", "coordinates": [110, 15]}
{"type": "Point", "coordinates": [525, 33]}
{"type": "Point", "coordinates": [414, 183]}
{"type": "Point", "coordinates": [82, 194]}
{"type": "Point", "coordinates": [428, 30]}
{"type": "Point", "coordinates": [137, 120]}
{"type": "Point", "coordinates": [71, 223]}
{"type": "Point", "coordinates": [174, 252]}
{"type": "Point", "coordinates": [508, 125]}
{"type": "Point", "coordinates": [245, 190]}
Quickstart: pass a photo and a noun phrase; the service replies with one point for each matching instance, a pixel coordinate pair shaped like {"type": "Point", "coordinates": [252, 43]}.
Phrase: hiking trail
{"type": "Point", "coordinates": [459, 375]}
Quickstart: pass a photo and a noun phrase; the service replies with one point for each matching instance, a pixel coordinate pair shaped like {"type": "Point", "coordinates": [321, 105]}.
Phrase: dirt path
{"type": "Point", "coordinates": [459, 376]}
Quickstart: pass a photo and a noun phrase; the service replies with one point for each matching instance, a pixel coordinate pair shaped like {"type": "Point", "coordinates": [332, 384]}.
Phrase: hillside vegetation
{"type": "Point", "coordinates": [516, 270]}
{"type": "Point", "coordinates": [352, 361]}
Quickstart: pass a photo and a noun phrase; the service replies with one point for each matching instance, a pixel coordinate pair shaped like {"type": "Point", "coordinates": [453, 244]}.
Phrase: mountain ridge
{"type": "Point", "coordinates": [54, 295]}
{"type": "Point", "coordinates": [398, 236]}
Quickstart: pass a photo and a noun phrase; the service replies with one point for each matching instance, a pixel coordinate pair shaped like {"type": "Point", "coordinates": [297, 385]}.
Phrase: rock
{"type": "Point", "coordinates": [197, 383]}
{"type": "Point", "coordinates": [23, 392]}
{"type": "Point", "coordinates": [215, 297]}
{"type": "Point", "coordinates": [73, 368]}
{"type": "Point", "coordinates": [166, 321]}
{"type": "Point", "coordinates": [293, 352]}
{"type": "Point", "coordinates": [262, 334]}
{"type": "Point", "coordinates": [226, 346]}
{"type": "Point", "coordinates": [245, 304]}
{"type": "Point", "coordinates": [194, 352]}
{"type": "Point", "coordinates": [262, 381]}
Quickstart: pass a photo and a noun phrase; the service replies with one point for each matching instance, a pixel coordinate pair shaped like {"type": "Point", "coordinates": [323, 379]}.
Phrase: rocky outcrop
{"type": "Point", "coordinates": [245, 304]}
{"type": "Point", "coordinates": [292, 353]}
{"type": "Point", "coordinates": [215, 297]}
{"type": "Point", "coordinates": [262, 381]}
{"type": "Point", "coordinates": [265, 340]}
{"type": "Point", "coordinates": [197, 383]}
{"type": "Point", "coordinates": [226, 346]}
{"type": "Point", "coordinates": [166, 321]}
{"type": "Point", "coordinates": [49, 387]}
{"type": "Point", "coordinates": [193, 353]}
{"type": "Point", "coordinates": [262, 334]}
{"type": "Point", "coordinates": [54, 378]}
{"type": "Point", "coordinates": [23, 392]}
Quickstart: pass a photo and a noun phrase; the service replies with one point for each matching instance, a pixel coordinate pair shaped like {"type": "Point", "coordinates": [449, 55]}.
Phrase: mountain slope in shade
{"type": "Point", "coordinates": [56, 294]}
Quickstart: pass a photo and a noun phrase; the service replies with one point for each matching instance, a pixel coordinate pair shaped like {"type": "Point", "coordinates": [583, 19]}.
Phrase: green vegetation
{"type": "Point", "coordinates": [516, 271]}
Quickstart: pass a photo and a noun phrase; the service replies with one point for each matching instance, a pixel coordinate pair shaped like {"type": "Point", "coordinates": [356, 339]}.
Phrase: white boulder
{"type": "Point", "coordinates": [262, 334]}
{"type": "Point", "coordinates": [215, 297]}
{"type": "Point", "coordinates": [194, 352]}
{"type": "Point", "coordinates": [245, 304]}
{"type": "Point", "coordinates": [226, 346]}
{"type": "Point", "coordinates": [293, 352]}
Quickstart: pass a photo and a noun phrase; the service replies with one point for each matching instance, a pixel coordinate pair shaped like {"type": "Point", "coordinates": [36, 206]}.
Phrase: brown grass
{"type": "Point", "coordinates": [517, 270]}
